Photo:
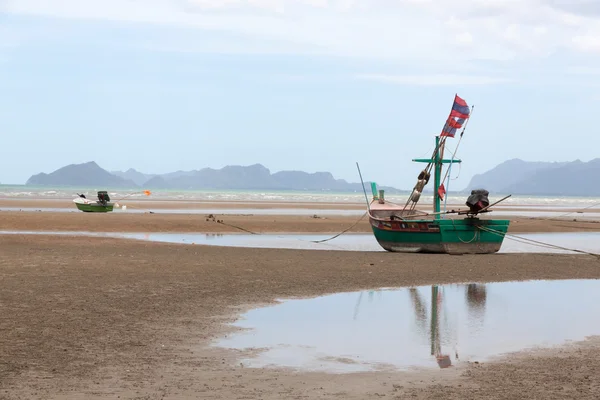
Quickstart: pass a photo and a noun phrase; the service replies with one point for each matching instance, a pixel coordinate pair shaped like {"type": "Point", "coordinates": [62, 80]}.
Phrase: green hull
{"type": "Point", "coordinates": [94, 207]}
{"type": "Point", "coordinates": [458, 236]}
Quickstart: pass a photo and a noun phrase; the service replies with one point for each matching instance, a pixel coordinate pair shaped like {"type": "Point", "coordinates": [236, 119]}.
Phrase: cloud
{"type": "Point", "coordinates": [582, 7]}
{"type": "Point", "coordinates": [433, 80]}
{"type": "Point", "coordinates": [506, 34]}
{"type": "Point", "coordinates": [370, 28]}
{"type": "Point", "coordinates": [587, 43]}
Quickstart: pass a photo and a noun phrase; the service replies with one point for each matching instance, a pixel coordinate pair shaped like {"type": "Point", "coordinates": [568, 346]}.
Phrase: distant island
{"type": "Point", "coordinates": [253, 177]}
{"type": "Point", "coordinates": [518, 177]}
{"type": "Point", "coordinates": [514, 176]}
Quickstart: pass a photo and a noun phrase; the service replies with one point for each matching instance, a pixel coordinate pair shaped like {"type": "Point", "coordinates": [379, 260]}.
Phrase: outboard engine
{"type": "Point", "coordinates": [103, 197]}
{"type": "Point", "coordinates": [478, 200]}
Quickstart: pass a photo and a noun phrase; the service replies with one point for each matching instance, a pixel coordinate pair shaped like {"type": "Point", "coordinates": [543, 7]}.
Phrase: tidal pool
{"type": "Point", "coordinates": [584, 241]}
{"type": "Point", "coordinates": [421, 327]}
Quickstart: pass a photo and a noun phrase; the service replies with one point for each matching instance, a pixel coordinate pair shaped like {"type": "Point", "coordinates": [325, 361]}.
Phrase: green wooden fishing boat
{"type": "Point", "coordinates": [400, 228]}
{"type": "Point", "coordinates": [103, 203]}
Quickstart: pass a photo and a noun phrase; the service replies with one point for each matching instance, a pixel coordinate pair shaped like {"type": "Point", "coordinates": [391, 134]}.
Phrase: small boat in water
{"type": "Point", "coordinates": [103, 203]}
{"type": "Point", "coordinates": [402, 228]}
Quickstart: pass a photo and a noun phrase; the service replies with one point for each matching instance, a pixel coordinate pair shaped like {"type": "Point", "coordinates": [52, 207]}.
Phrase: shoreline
{"type": "Point", "coordinates": [173, 204]}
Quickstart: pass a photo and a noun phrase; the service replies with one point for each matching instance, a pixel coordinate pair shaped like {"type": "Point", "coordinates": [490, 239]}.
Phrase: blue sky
{"type": "Point", "coordinates": [314, 85]}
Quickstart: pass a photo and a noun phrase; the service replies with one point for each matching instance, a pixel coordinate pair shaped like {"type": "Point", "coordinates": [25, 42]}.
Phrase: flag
{"type": "Point", "coordinates": [147, 192]}
{"type": "Point", "coordinates": [448, 131]}
{"type": "Point", "coordinates": [458, 115]}
{"type": "Point", "coordinates": [441, 191]}
{"type": "Point", "coordinates": [451, 126]}
{"type": "Point", "coordinates": [460, 109]}
{"type": "Point", "coordinates": [455, 123]}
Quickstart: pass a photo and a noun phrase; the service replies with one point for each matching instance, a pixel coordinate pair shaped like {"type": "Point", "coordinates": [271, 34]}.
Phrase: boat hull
{"type": "Point", "coordinates": [94, 207]}
{"type": "Point", "coordinates": [450, 236]}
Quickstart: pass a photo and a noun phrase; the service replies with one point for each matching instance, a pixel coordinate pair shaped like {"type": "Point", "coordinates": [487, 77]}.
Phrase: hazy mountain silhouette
{"type": "Point", "coordinates": [515, 176]}
{"type": "Point", "coordinates": [84, 175]}
{"type": "Point", "coordinates": [132, 175]}
{"type": "Point", "coordinates": [520, 177]}
{"type": "Point", "coordinates": [252, 177]}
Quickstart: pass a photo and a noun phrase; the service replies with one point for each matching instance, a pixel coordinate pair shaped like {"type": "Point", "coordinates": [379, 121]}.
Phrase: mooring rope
{"type": "Point", "coordinates": [342, 232]}
{"type": "Point", "coordinates": [555, 218]}
{"type": "Point", "coordinates": [536, 242]}
{"type": "Point", "coordinates": [312, 241]}
{"type": "Point", "coordinates": [237, 227]}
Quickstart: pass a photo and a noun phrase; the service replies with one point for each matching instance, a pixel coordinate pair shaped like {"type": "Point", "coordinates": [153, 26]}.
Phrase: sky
{"type": "Point", "coordinates": [313, 85]}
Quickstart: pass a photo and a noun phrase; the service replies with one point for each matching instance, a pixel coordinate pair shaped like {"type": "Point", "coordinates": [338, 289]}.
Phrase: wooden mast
{"type": "Point", "coordinates": [437, 171]}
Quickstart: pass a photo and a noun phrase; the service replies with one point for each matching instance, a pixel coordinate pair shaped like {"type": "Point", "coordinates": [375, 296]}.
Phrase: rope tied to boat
{"type": "Point", "coordinates": [220, 221]}
{"type": "Point", "coordinates": [557, 217]}
{"type": "Point", "coordinates": [535, 242]}
{"type": "Point", "coordinates": [342, 232]}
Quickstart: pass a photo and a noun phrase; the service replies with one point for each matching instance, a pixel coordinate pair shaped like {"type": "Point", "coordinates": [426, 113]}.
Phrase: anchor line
{"type": "Point", "coordinates": [311, 241]}
{"type": "Point", "coordinates": [576, 211]}
{"type": "Point", "coordinates": [536, 242]}
{"type": "Point", "coordinates": [556, 218]}
{"type": "Point", "coordinates": [342, 232]}
{"type": "Point", "coordinates": [237, 227]}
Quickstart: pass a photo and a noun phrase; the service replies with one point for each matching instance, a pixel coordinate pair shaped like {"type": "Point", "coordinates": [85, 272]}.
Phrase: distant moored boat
{"type": "Point", "coordinates": [103, 203]}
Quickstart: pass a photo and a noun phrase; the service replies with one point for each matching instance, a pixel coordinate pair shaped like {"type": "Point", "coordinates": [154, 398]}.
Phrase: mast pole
{"type": "Point", "coordinates": [437, 172]}
{"type": "Point", "coordinates": [363, 186]}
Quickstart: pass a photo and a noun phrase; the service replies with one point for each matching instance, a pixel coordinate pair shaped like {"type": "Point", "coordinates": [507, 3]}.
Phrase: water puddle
{"type": "Point", "coordinates": [584, 241]}
{"type": "Point", "coordinates": [429, 326]}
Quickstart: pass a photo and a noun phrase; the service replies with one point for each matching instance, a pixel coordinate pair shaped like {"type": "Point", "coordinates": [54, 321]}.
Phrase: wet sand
{"type": "Point", "coordinates": [182, 223]}
{"type": "Point", "coordinates": [104, 318]}
{"type": "Point", "coordinates": [181, 204]}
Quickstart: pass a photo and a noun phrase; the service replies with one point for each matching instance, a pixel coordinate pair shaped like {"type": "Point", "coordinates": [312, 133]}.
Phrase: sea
{"type": "Point", "coordinates": [32, 192]}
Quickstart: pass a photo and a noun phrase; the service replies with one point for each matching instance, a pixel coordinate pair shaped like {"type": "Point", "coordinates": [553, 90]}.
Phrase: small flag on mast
{"type": "Point", "coordinates": [441, 191]}
{"type": "Point", "coordinates": [458, 115]}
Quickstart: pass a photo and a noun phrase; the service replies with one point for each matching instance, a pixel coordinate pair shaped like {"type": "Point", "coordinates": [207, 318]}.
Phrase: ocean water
{"type": "Point", "coordinates": [32, 192]}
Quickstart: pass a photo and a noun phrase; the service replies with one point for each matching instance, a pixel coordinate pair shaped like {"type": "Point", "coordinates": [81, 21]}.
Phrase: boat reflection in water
{"type": "Point", "coordinates": [475, 297]}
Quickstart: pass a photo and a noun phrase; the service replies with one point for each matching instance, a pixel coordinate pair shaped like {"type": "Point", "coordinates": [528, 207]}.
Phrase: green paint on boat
{"type": "Point", "coordinates": [95, 207]}
{"type": "Point", "coordinates": [452, 236]}
{"type": "Point", "coordinates": [103, 203]}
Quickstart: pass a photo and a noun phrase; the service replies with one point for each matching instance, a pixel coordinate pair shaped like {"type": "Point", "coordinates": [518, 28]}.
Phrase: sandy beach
{"type": "Point", "coordinates": [236, 223]}
{"type": "Point", "coordinates": [107, 318]}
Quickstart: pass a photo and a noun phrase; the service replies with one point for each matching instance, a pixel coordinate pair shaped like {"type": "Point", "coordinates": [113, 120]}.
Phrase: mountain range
{"type": "Point", "coordinates": [514, 176]}
{"type": "Point", "coordinates": [576, 178]}
{"type": "Point", "coordinates": [253, 177]}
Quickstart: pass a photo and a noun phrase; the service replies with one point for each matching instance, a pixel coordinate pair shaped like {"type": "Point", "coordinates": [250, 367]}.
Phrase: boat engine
{"type": "Point", "coordinates": [103, 197]}
{"type": "Point", "coordinates": [478, 200]}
